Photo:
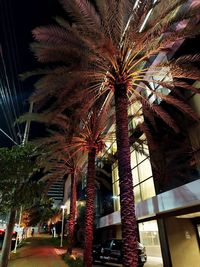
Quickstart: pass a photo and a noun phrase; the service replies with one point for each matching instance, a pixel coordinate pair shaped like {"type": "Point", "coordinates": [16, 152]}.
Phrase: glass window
{"type": "Point", "coordinates": [107, 244]}
{"type": "Point", "coordinates": [149, 237]}
{"type": "Point", "coordinates": [116, 191]}
{"type": "Point", "coordinates": [115, 175]}
{"type": "Point", "coordinates": [133, 159]}
{"type": "Point", "coordinates": [144, 170]}
{"type": "Point", "coordinates": [198, 229]}
{"type": "Point", "coordinates": [147, 189]}
{"type": "Point", "coordinates": [135, 176]}
{"type": "Point", "coordinates": [137, 194]}
{"type": "Point", "coordinates": [116, 245]}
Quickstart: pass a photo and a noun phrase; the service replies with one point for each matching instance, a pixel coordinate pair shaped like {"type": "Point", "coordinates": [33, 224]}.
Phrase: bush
{"type": "Point", "coordinates": [73, 261]}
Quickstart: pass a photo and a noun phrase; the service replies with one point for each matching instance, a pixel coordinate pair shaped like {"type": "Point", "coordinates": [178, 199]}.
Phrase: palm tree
{"type": "Point", "coordinates": [63, 152]}
{"type": "Point", "coordinates": [73, 168]}
{"type": "Point", "coordinates": [91, 139]}
{"type": "Point", "coordinates": [108, 48]}
{"type": "Point", "coordinates": [73, 210]}
{"type": "Point", "coordinates": [58, 163]}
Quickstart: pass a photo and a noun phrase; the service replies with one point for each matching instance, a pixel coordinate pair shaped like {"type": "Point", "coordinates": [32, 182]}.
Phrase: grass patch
{"type": "Point", "coordinates": [55, 242]}
{"type": "Point", "coordinates": [73, 261]}
{"type": "Point", "coordinates": [22, 243]}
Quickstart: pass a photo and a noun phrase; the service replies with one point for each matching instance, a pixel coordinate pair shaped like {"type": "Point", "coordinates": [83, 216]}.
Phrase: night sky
{"type": "Point", "coordinates": [24, 16]}
{"type": "Point", "coordinates": [17, 20]}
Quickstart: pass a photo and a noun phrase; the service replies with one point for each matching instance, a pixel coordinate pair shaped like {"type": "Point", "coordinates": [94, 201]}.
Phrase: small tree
{"type": "Point", "coordinates": [40, 213]}
{"type": "Point", "coordinates": [17, 187]}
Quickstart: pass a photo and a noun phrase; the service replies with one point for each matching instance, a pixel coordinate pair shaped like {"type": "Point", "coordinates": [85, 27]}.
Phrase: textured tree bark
{"type": "Point", "coordinates": [8, 239]}
{"type": "Point", "coordinates": [128, 219]}
{"type": "Point", "coordinates": [73, 198]}
{"type": "Point", "coordinates": [89, 215]}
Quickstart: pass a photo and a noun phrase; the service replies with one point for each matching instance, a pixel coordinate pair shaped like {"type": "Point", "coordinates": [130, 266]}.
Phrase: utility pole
{"type": "Point", "coordinates": [25, 139]}
{"type": "Point", "coordinates": [27, 128]}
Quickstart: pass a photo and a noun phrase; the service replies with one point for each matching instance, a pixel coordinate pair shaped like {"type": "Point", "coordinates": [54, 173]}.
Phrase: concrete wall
{"type": "Point", "coordinates": [183, 244]}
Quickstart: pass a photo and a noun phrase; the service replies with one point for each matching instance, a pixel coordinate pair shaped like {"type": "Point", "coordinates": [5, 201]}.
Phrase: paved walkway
{"type": "Point", "coordinates": [40, 252]}
{"type": "Point", "coordinates": [37, 252]}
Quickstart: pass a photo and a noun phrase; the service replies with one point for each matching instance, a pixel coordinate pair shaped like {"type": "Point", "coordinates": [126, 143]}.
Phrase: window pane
{"type": "Point", "coordinates": [145, 170]}
{"type": "Point", "coordinates": [135, 176]}
{"type": "Point", "coordinates": [115, 175]}
{"type": "Point", "coordinates": [133, 159]}
{"type": "Point", "coordinates": [116, 189]}
{"type": "Point", "coordinates": [147, 189]}
{"type": "Point", "coordinates": [149, 237]}
{"type": "Point", "coordinates": [137, 194]}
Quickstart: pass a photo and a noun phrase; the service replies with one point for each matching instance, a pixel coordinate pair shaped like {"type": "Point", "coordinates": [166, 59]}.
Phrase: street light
{"type": "Point", "coordinates": [63, 207]}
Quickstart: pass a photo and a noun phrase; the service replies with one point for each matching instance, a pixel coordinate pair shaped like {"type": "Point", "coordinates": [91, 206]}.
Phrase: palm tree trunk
{"type": "Point", "coordinates": [89, 215]}
{"type": "Point", "coordinates": [8, 239]}
{"type": "Point", "coordinates": [73, 198]}
{"type": "Point", "coordinates": [128, 219]}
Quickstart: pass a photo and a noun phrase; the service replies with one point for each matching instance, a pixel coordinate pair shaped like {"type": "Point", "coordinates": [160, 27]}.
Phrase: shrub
{"type": "Point", "coordinates": [73, 261]}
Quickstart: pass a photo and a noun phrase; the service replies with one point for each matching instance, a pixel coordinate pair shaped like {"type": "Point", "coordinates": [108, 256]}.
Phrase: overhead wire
{"type": "Point", "coordinates": [10, 87]}
{"type": "Point", "coordinates": [8, 99]}
{"type": "Point", "coordinates": [17, 61]}
{"type": "Point", "coordinates": [11, 58]}
{"type": "Point", "coordinates": [4, 106]}
{"type": "Point", "coordinates": [5, 103]}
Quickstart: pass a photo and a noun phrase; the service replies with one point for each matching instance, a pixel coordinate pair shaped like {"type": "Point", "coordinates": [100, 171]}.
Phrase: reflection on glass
{"type": "Point", "coordinates": [137, 194]}
{"type": "Point", "coordinates": [144, 169]}
{"type": "Point", "coordinates": [147, 189]}
{"type": "Point", "coordinates": [149, 237]}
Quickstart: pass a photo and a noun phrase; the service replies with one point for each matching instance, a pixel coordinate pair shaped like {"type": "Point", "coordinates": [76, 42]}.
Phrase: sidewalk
{"type": "Point", "coordinates": [37, 252]}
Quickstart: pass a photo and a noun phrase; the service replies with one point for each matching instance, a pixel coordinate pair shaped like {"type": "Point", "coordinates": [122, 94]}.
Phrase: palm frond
{"type": "Point", "coordinates": [59, 53]}
{"type": "Point", "coordinates": [182, 106]}
{"type": "Point", "coordinates": [145, 129]}
{"type": "Point", "coordinates": [86, 18]}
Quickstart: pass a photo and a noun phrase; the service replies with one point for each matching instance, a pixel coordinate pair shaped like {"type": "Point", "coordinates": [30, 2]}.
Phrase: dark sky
{"type": "Point", "coordinates": [17, 19]}
{"type": "Point", "coordinates": [20, 17]}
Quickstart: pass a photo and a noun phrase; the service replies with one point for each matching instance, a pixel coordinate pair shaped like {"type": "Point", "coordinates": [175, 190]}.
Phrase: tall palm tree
{"type": "Point", "coordinates": [58, 163]}
{"type": "Point", "coordinates": [108, 48]}
{"type": "Point", "coordinates": [73, 167]}
{"type": "Point", "coordinates": [63, 155]}
{"type": "Point", "coordinates": [73, 210]}
{"type": "Point", "coordinates": [55, 161]}
{"type": "Point", "coordinates": [91, 140]}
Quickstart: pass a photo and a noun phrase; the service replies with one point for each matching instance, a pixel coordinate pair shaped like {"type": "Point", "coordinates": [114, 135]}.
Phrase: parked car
{"type": "Point", "coordinates": [111, 251]}
{"type": "Point", "coordinates": [14, 236]}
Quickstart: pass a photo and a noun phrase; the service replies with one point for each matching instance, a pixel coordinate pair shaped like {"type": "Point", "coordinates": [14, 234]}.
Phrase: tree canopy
{"type": "Point", "coordinates": [18, 186]}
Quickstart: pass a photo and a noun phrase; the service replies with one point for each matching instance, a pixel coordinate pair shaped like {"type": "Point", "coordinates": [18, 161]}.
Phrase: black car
{"type": "Point", "coordinates": [110, 251]}
{"type": "Point", "coordinates": [2, 234]}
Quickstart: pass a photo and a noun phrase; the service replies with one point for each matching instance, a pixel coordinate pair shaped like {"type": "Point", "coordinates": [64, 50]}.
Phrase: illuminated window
{"type": "Point", "coordinates": [116, 192]}
{"type": "Point", "coordinates": [149, 237]}
{"type": "Point", "coordinates": [142, 177]}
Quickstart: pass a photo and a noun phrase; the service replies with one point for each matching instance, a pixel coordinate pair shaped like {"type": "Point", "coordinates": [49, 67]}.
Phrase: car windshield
{"type": "Point", "coordinates": [117, 245]}
{"type": "Point", "coordinates": [106, 244]}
